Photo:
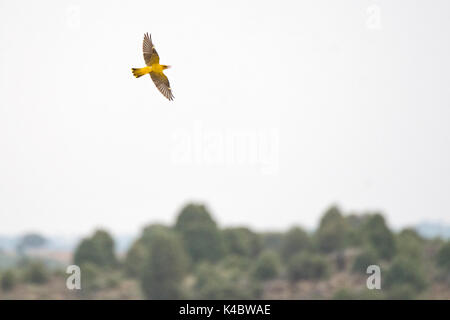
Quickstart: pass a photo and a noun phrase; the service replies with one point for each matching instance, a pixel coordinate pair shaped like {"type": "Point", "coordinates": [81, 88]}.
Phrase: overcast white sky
{"type": "Point", "coordinates": [343, 102]}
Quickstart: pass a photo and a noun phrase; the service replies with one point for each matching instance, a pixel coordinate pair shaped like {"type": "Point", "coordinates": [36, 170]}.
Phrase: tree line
{"type": "Point", "coordinates": [196, 259]}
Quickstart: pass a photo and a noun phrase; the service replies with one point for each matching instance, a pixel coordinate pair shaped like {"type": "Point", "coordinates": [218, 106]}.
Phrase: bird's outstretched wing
{"type": "Point", "coordinates": [150, 54]}
{"type": "Point", "coordinates": [162, 83]}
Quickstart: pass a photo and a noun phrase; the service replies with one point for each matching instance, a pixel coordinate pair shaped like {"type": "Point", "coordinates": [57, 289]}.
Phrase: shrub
{"type": "Point", "coordinates": [242, 242]}
{"type": "Point", "coordinates": [165, 267]}
{"type": "Point", "coordinates": [295, 241]}
{"type": "Point", "coordinates": [379, 237]}
{"type": "Point", "coordinates": [402, 291]}
{"type": "Point", "coordinates": [363, 260]}
{"type": "Point", "coordinates": [402, 272]}
{"type": "Point", "coordinates": [344, 294]}
{"type": "Point", "coordinates": [36, 272]}
{"type": "Point", "coordinates": [98, 250]}
{"type": "Point", "coordinates": [410, 244]}
{"type": "Point", "coordinates": [332, 233]}
{"type": "Point", "coordinates": [307, 266]}
{"type": "Point", "coordinates": [136, 258]}
{"type": "Point", "coordinates": [8, 280]}
{"type": "Point", "coordinates": [235, 263]}
{"type": "Point", "coordinates": [90, 278]}
{"type": "Point", "coordinates": [267, 266]}
{"type": "Point", "coordinates": [443, 257]}
{"type": "Point", "coordinates": [212, 283]}
{"type": "Point", "coordinates": [272, 240]}
{"type": "Point", "coordinates": [201, 237]}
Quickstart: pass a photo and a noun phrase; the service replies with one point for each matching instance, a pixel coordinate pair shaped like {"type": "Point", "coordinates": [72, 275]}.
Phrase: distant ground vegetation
{"type": "Point", "coordinates": [196, 259]}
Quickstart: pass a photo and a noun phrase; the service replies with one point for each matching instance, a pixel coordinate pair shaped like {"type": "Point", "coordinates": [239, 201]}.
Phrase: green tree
{"type": "Point", "coordinates": [91, 278]}
{"type": "Point", "coordinates": [379, 237]}
{"type": "Point", "coordinates": [407, 273]}
{"type": "Point", "coordinates": [136, 258]}
{"type": "Point", "coordinates": [345, 294]}
{"type": "Point", "coordinates": [8, 280]}
{"type": "Point", "coordinates": [213, 283]}
{"type": "Point", "coordinates": [364, 259]}
{"type": "Point", "coordinates": [332, 233]}
{"type": "Point", "coordinates": [296, 240]}
{"type": "Point", "coordinates": [272, 240]}
{"type": "Point", "coordinates": [137, 255]}
{"type": "Point", "coordinates": [267, 266]}
{"type": "Point", "coordinates": [30, 241]}
{"type": "Point", "coordinates": [201, 237]}
{"type": "Point", "coordinates": [194, 214]}
{"type": "Point", "coordinates": [242, 242]}
{"type": "Point", "coordinates": [307, 266]}
{"type": "Point", "coordinates": [98, 250]}
{"type": "Point", "coordinates": [355, 236]}
{"type": "Point", "coordinates": [443, 257]}
{"type": "Point", "coordinates": [36, 272]}
{"type": "Point", "coordinates": [410, 244]}
{"type": "Point", "coordinates": [165, 267]}
{"type": "Point", "coordinates": [403, 291]}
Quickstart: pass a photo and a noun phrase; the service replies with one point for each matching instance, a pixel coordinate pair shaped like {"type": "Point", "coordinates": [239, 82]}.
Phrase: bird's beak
{"type": "Point", "coordinates": [167, 67]}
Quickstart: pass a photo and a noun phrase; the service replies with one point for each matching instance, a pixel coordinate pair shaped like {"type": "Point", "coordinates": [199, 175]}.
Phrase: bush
{"type": "Point", "coordinates": [410, 244]}
{"type": "Point", "coordinates": [344, 294]}
{"type": "Point", "coordinates": [36, 272]}
{"type": "Point", "coordinates": [374, 294]}
{"type": "Point", "coordinates": [8, 280]}
{"type": "Point", "coordinates": [402, 291]}
{"type": "Point", "coordinates": [98, 250]}
{"type": "Point", "coordinates": [363, 260]}
{"type": "Point", "coordinates": [272, 240]}
{"type": "Point", "coordinates": [443, 257]}
{"type": "Point", "coordinates": [241, 242]}
{"type": "Point", "coordinates": [295, 241]}
{"type": "Point", "coordinates": [379, 237]}
{"type": "Point", "coordinates": [212, 283]}
{"type": "Point", "coordinates": [365, 294]}
{"type": "Point", "coordinates": [138, 254]}
{"type": "Point", "coordinates": [307, 266]}
{"type": "Point", "coordinates": [31, 240]}
{"type": "Point", "coordinates": [201, 237]}
{"type": "Point", "coordinates": [332, 233]}
{"type": "Point", "coordinates": [136, 258]}
{"type": "Point", "coordinates": [267, 266]}
{"type": "Point", "coordinates": [405, 272]}
{"type": "Point", "coordinates": [165, 267]}
{"type": "Point", "coordinates": [355, 236]}
{"type": "Point", "coordinates": [235, 263]}
{"type": "Point", "coordinates": [90, 278]}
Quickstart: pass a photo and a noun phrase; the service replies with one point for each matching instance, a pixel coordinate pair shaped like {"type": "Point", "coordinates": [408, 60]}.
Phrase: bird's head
{"type": "Point", "coordinates": [165, 67]}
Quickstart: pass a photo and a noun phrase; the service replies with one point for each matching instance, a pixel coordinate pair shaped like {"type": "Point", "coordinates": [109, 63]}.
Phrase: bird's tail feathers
{"type": "Point", "coordinates": [139, 72]}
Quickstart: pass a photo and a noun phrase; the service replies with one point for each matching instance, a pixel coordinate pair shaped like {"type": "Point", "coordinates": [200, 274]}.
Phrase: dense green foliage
{"type": "Point", "coordinates": [407, 274]}
{"type": "Point", "coordinates": [36, 272]}
{"type": "Point", "coordinates": [195, 259]}
{"type": "Point", "coordinates": [29, 241]}
{"type": "Point", "coordinates": [267, 266]}
{"type": "Point", "coordinates": [379, 237]}
{"type": "Point", "coordinates": [295, 241]}
{"type": "Point", "coordinates": [307, 266]}
{"type": "Point", "coordinates": [200, 235]}
{"type": "Point", "coordinates": [165, 267]}
{"type": "Point", "coordinates": [8, 280]}
{"type": "Point", "coordinates": [443, 257]}
{"type": "Point", "coordinates": [364, 259]}
{"type": "Point", "coordinates": [242, 242]}
{"type": "Point", "coordinates": [331, 234]}
{"type": "Point", "coordinates": [98, 250]}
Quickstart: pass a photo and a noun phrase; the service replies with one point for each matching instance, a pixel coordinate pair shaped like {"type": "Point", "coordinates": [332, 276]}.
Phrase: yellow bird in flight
{"type": "Point", "coordinates": [153, 67]}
